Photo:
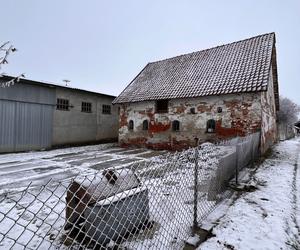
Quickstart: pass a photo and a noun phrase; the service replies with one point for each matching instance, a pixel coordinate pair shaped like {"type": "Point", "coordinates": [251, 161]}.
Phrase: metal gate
{"type": "Point", "coordinates": [26, 118]}
{"type": "Point", "coordinates": [25, 126]}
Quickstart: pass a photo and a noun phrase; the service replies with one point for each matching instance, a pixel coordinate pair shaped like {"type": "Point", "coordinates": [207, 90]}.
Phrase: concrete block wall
{"type": "Point", "coordinates": [77, 127]}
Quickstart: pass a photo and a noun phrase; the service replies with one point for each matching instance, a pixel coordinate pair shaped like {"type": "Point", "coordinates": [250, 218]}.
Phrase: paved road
{"type": "Point", "coordinates": [37, 168]}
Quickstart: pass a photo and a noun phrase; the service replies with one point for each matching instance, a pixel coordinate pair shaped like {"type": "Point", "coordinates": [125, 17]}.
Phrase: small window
{"type": "Point", "coordinates": [62, 104]}
{"type": "Point", "coordinates": [220, 110]}
{"type": "Point", "coordinates": [145, 125]}
{"type": "Point", "coordinates": [193, 111]}
{"type": "Point", "coordinates": [162, 106]}
{"type": "Point", "coordinates": [86, 107]}
{"type": "Point", "coordinates": [130, 125]}
{"type": "Point", "coordinates": [106, 109]}
{"type": "Point", "coordinates": [211, 126]}
{"type": "Point", "coordinates": [175, 125]}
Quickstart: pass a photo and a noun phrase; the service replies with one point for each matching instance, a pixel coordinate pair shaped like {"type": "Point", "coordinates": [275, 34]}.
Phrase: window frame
{"type": "Point", "coordinates": [193, 110]}
{"type": "Point", "coordinates": [106, 109]}
{"type": "Point", "coordinates": [86, 107]}
{"type": "Point", "coordinates": [130, 125]}
{"type": "Point", "coordinates": [175, 126]}
{"type": "Point", "coordinates": [164, 103]}
{"type": "Point", "coordinates": [62, 104]}
{"type": "Point", "coordinates": [145, 127]}
{"type": "Point", "coordinates": [211, 126]}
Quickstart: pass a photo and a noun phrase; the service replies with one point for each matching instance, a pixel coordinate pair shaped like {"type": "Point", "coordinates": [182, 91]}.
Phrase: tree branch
{"type": "Point", "coordinates": [5, 49]}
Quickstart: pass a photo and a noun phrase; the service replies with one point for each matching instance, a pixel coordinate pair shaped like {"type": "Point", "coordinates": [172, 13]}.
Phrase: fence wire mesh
{"type": "Point", "coordinates": [149, 205]}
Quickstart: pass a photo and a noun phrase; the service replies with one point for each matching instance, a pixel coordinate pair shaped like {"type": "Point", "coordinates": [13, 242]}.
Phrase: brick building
{"type": "Point", "coordinates": [212, 94]}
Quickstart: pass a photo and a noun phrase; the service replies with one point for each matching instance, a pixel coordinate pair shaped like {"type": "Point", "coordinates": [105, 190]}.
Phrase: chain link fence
{"type": "Point", "coordinates": [149, 205]}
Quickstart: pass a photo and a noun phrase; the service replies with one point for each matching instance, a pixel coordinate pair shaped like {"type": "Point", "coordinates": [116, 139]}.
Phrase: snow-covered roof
{"type": "Point", "coordinates": [51, 85]}
{"type": "Point", "coordinates": [238, 67]}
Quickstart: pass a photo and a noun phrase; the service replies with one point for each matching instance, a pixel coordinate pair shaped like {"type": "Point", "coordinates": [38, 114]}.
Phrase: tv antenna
{"type": "Point", "coordinates": [66, 81]}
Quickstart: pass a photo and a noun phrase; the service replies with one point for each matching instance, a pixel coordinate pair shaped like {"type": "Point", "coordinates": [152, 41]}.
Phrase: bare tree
{"type": "Point", "coordinates": [5, 50]}
{"type": "Point", "coordinates": [289, 111]}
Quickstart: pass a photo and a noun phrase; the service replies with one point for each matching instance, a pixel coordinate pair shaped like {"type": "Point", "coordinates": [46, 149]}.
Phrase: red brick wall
{"type": "Point", "coordinates": [241, 115]}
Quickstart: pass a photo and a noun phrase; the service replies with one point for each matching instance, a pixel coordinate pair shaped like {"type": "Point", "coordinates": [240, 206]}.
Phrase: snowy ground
{"type": "Point", "coordinates": [269, 217]}
{"type": "Point", "coordinates": [19, 169]}
{"type": "Point", "coordinates": [35, 216]}
{"type": "Point", "coordinates": [34, 219]}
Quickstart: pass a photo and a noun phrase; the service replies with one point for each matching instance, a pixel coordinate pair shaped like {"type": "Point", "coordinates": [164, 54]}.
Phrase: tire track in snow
{"type": "Point", "coordinates": [295, 244]}
{"type": "Point", "coordinates": [295, 195]}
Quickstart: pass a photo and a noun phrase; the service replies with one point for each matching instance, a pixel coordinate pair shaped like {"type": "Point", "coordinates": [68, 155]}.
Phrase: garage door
{"type": "Point", "coordinates": [25, 126]}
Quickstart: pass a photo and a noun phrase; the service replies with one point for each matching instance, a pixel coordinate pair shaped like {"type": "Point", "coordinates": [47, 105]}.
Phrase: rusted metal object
{"type": "Point", "coordinates": [86, 192]}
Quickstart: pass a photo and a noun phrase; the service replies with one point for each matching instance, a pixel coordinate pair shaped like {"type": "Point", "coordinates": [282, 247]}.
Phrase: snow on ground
{"type": "Point", "coordinates": [268, 218]}
{"type": "Point", "coordinates": [265, 219]}
{"type": "Point", "coordinates": [17, 170]}
{"type": "Point", "coordinates": [35, 218]}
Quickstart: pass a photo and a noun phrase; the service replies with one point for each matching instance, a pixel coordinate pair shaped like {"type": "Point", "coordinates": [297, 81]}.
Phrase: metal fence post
{"type": "Point", "coordinates": [195, 222]}
{"type": "Point", "coordinates": [252, 151]}
{"type": "Point", "coordinates": [237, 165]}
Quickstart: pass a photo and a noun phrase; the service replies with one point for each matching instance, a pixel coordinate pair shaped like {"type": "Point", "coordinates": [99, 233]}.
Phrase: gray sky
{"type": "Point", "coordinates": [102, 45]}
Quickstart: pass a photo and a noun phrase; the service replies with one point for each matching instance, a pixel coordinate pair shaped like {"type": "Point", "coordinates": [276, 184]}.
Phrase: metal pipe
{"type": "Point", "coordinates": [195, 222]}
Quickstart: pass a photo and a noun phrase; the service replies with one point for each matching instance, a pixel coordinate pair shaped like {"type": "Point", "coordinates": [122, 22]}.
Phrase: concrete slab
{"type": "Point", "coordinates": [152, 154]}
{"type": "Point", "coordinates": [9, 163]}
{"type": "Point", "coordinates": [18, 170]}
{"type": "Point", "coordinates": [134, 151]}
{"type": "Point", "coordinates": [69, 158]}
{"type": "Point", "coordinates": [66, 155]}
{"type": "Point", "coordinates": [114, 163]}
{"type": "Point", "coordinates": [38, 181]}
{"type": "Point", "coordinates": [91, 160]}
{"type": "Point", "coordinates": [115, 150]}
{"type": "Point", "coordinates": [24, 166]}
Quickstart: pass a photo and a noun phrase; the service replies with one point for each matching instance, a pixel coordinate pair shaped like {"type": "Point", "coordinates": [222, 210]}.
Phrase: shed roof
{"type": "Point", "coordinates": [52, 85]}
{"type": "Point", "coordinates": [238, 67]}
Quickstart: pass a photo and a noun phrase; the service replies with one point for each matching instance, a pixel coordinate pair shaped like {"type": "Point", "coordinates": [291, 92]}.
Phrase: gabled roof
{"type": "Point", "coordinates": [238, 67]}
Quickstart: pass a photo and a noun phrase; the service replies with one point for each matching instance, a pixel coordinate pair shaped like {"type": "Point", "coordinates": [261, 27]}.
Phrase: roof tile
{"type": "Point", "coordinates": [242, 66]}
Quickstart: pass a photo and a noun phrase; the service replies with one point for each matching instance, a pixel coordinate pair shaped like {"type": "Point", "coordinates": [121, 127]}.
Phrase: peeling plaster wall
{"type": "Point", "coordinates": [269, 126]}
{"type": "Point", "coordinates": [241, 115]}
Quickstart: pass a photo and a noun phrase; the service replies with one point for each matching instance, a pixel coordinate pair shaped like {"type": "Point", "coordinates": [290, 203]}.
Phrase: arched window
{"type": "Point", "coordinates": [211, 126]}
{"type": "Point", "coordinates": [130, 125]}
{"type": "Point", "coordinates": [175, 125]}
{"type": "Point", "coordinates": [145, 125]}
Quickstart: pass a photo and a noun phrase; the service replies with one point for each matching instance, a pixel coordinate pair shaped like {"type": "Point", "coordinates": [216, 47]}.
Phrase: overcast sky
{"type": "Point", "coordinates": [102, 45]}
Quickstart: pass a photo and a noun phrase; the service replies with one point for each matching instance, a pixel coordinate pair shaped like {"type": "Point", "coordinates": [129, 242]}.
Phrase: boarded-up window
{"type": "Point", "coordinates": [162, 106]}
{"type": "Point", "coordinates": [130, 125]}
{"type": "Point", "coordinates": [62, 104]}
{"type": "Point", "coordinates": [86, 107]}
{"type": "Point", "coordinates": [211, 126]}
{"type": "Point", "coordinates": [175, 125]}
{"type": "Point", "coordinates": [145, 125]}
{"type": "Point", "coordinates": [106, 109]}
